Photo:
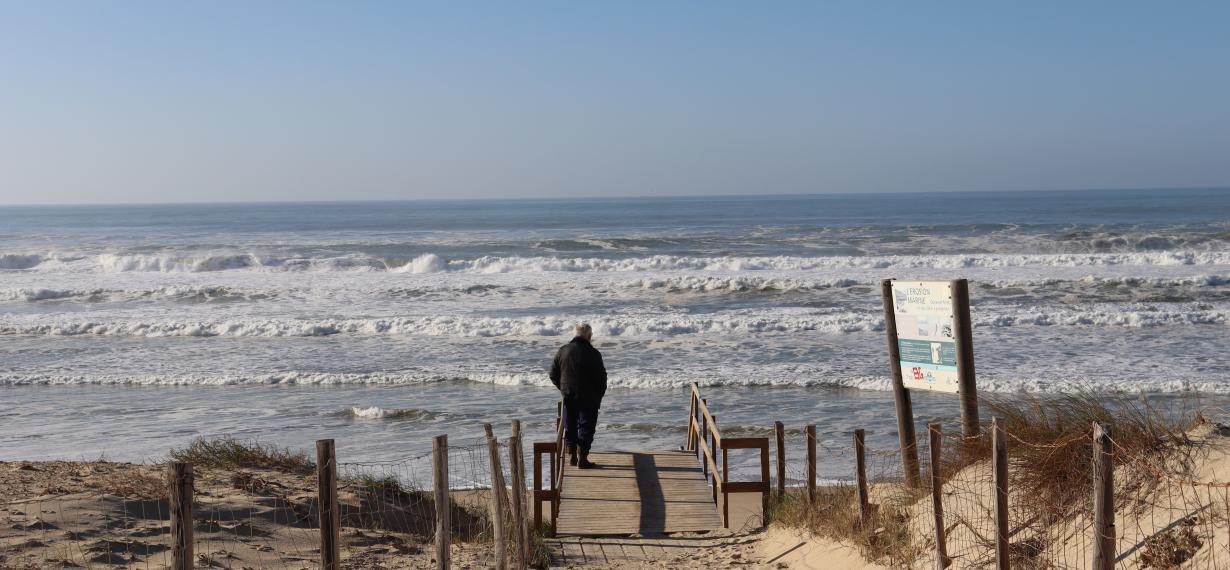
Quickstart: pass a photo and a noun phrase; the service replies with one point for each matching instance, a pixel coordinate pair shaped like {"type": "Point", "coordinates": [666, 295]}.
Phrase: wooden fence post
{"type": "Point", "coordinates": [490, 431]}
{"type": "Point", "coordinates": [439, 464]}
{"type": "Point", "coordinates": [937, 503]}
{"type": "Point", "coordinates": [780, 431]}
{"type": "Point", "coordinates": [860, 460]}
{"type": "Point", "coordinates": [999, 452]}
{"type": "Point", "coordinates": [811, 463]}
{"type": "Point", "coordinates": [326, 494]}
{"type": "Point", "coordinates": [497, 504]}
{"type": "Point", "coordinates": [1103, 499]}
{"type": "Point", "coordinates": [179, 481]}
{"type": "Point", "coordinates": [516, 462]}
{"type": "Point", "coordinates": [901, 396]}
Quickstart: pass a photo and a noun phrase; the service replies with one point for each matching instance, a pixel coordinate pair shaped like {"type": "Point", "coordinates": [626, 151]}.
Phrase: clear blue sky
{"type": "Point", "coordinates": [281, 100]}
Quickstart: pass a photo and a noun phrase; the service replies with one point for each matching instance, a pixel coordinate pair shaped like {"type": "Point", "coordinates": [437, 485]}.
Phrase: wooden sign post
{"type": "Point", "coordinates": [931, 344]}
{"type": "Point", "coordinates": [905, 411]}
{"type": "Point", "coordinates": [963, 332]}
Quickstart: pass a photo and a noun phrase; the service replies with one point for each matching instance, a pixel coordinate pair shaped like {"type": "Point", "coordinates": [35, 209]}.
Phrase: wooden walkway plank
{"type": "Point", "coordinates": [637, 493]}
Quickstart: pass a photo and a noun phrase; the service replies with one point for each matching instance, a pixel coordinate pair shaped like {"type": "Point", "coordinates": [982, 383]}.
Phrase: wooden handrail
{"type": "Point", "coordinates": [558, 476]}
{"type": "Point", "coordinates": [699, 404]}
{"type": "Point", "coordinates": [703, 428]}
{"type": "Point", "coordinates": [555, 451]}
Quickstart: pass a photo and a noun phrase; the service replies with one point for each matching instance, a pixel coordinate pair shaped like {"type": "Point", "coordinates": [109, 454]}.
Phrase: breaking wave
{"type": "Point", "coordinates": [1047, 382]}
{"type": "Point", "coordinates": [378, 413]}
{"type": "Point", "coordinates": [735, 322]}
{"type": "Point", "coordinates": [181, 293]}
{"type": "Point", "coordinates": [433, 263]}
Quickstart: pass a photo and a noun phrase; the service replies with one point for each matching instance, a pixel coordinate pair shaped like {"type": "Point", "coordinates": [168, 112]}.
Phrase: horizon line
{"type": "Point", "coordinates": [610, 197]}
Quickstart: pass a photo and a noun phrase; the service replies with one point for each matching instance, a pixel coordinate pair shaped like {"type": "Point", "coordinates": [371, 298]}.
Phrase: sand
{"type": "Point", "coordinates": [102, 514]}
{"type": "Point", "coordinates": [89, 514]}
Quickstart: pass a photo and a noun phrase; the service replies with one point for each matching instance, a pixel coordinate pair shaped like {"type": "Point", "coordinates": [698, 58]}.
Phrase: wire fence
{"type": "Point", "coordinates": [1170, 510]}
{"type": "Point", "coordinates": [393, 502]}
{"type": "Point", "coordinates": [115, 514]}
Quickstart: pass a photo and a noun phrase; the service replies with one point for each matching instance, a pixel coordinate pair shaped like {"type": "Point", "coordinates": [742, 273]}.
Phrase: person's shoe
{"type": "Point", "coordinates": [585, 463]}
{"type": "Point", "coordinates": [572, 456]}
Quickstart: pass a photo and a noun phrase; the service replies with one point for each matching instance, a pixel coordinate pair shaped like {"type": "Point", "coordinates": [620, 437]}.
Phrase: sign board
{"type": "Point", "coordinates": [925, 343]}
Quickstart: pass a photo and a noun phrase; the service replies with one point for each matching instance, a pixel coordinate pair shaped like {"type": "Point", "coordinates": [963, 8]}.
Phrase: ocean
{"type": "Point", "coordinates": [128, 329]}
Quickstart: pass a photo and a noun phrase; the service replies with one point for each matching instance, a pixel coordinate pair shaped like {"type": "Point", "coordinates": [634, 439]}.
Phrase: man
{"type": "Point", "coordinates": [581, 378]}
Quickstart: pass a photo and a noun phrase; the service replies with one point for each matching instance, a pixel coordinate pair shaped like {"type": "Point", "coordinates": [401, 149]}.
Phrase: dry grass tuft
{"type": "Point", "coordinates": [540, 553]}
{"type": "Point", "coordinates": [228, 453]}
{"type": "Point", "coordinates": [885, 537]}
{"type": "Point", "coordinates": [1169, 550]}
{"type": "Point", "coordinates": [1050, 446]}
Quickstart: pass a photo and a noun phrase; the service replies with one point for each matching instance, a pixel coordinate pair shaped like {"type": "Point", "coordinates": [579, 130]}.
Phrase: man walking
{"type": "Point", "coordinates": [581, 378]}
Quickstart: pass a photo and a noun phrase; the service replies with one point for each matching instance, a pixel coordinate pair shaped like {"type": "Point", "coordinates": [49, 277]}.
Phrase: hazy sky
{"type": "Point", "coordinates": [207, 101]}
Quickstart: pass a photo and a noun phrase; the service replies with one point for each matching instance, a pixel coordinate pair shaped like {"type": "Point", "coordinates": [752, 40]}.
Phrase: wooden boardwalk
{"type": "Point", "coordinates": [643, 493]}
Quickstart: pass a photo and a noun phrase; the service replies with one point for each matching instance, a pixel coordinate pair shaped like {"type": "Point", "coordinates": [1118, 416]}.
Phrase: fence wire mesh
{"type": "Point", "coordinates": [255, 519]}
{"type": "Point", "coordinates": [1171, 508]}
{"type": "Point", "coordinates": [393, 503]}
{"type": "Point", "coordinates": [85, 515]}
{"type": "Point", "coordinates": [103, 515]}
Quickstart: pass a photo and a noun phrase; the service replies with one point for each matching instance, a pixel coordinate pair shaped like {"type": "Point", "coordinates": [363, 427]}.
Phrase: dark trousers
{"type": "Point", "coordinates": [580, 422]}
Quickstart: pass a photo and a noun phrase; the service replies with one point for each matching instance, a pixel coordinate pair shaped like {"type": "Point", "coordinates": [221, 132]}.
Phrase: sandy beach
{"type": "Point", "coordinates": [102, 514]}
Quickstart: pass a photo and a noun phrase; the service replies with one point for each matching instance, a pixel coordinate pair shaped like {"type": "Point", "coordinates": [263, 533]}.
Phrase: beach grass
{"type": "Point", "coordinates": [1051, 445]}
{"type": "Point", "coordinates": [231, 453]}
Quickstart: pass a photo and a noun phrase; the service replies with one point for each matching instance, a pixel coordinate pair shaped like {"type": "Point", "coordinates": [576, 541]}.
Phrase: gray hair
{"type": "Point", "coordinates": [584, 330]}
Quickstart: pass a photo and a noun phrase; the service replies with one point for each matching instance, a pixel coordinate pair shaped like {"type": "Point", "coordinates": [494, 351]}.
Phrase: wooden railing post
{"type": "Point", "coordinates": [555, 494]}
{"type": "Point", "coordinates": [764, 477]}
{"type": "Point", "coordinates": [537, 488]}
{"type": "Point", "coordinates": [691, 420]}
{"type": "Point", "coordinates": [725, 488]}
{"type": "Point", "coordinates": [180, 485]}
{"type": "Point", "coordinates": [811, 464]}
{"type": "Point", "coordinates": [937, 503]}
{"type": "Point", "coordinates": [780, 431]}
{"type": "Point", "coordinates": [516, 462]}
{"type": "Point", "coordinates": [326, 494]}
{"type": "Point", "coordinates": [860, 461]}
{"type": "Point", "coordinates": [1103, 499]}
{"type": "Point", "coordinates": [439, 472]}
{"type": "Point", "coordinates": [999, 452]}
{"type": "Point", "coordinates": [704, 432]}
{"type": "Point", "coordinates": [497, 504]}
{"type": "Point", "coordinates": [712, 443]}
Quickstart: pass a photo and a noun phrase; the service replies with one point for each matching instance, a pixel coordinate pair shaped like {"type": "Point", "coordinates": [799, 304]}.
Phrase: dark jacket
{"type": "Point", "coordinates": [578, 372]}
